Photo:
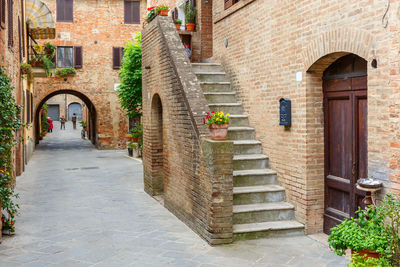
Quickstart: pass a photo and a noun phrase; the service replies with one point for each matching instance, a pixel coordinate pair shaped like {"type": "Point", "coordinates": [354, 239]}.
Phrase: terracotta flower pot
{"type": "Point", "coordinates": [178, 27]}
{"type": "Point", "coordinates": [368, 253]}
{"type": "Point", "coordinates": [135, 139]}
{"type": "Point", "coordinates": [163, 12]}
{"type": "Point", "coordinates": [219, 132]}
{"type": "Point", "coordinates": [190, 27]}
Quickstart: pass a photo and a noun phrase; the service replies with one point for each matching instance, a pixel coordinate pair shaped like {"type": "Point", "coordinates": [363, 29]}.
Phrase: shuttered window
{"type": "Point", "coordinates": [69, 56]}
{"type": "Point", "coordinates": [78, 57]}
{"type": "Point", "coordinates": [19, 40]}
{"type": "Point", "coordinates": [28, 107]}
{"type": "Point", "coordinates": [131, 12]}
{"type": "Point", "coordinates": [229, 3]}
{"type": "Point", "coordinates": [174, 14]}
{"type": "Point", "coordinates": [118, 54]}
{"type": "Point", "coordinates": [10, 21]}
{"type": "Point", "coordinates": [65, 10]}
{"type": "Point", "coordinates": [3, 13]}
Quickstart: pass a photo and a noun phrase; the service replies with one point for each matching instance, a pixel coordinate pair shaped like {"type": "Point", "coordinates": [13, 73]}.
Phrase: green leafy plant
{"type": "Point", "coordinates": [27, 70]}
{"type": "Point", "coordinates": [83, 124]}
{"type": "Point", "coordinates": [133, 145]}
{"type": "Point", "coordinates": [215, 118]}
{"type": "Point", "coordinates": [178, 21]}
{"type": "Point", "coordinates": [50, 49]}
{"type": "Point", "coordinates": [367, 232]}
{"type": "Point", "coordinates": [130, 90]}
{"type": "Point", "coordinates": [389, 210]}
{"type": "Point", "coordinates": [10, 122]}
{"type": "Point", "coordinates": [44, 121]}
{"type": "Point", "coordinates": [364, 261]}
{"type": "Point", "coordinates": [43, 57]}
{"type": "Point", "coordinates": [190, 12]}
{"type": "Point", "coordinates": [65, 71]}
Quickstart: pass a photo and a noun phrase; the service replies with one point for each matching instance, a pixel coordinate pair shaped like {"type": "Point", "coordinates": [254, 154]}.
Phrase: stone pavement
{"type": "Point", "coordinates": [85, 207]}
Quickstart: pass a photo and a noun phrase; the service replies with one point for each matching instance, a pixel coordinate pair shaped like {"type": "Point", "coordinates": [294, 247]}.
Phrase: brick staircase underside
{"type": "Point", "coordinates": [259, 206]}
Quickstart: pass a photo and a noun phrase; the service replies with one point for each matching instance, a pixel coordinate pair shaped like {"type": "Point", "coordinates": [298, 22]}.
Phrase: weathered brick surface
{"type": "Point", "coordinates": [268, 42]}
{"type": "Point", "coordinates": [98, 26]}
{"type": "Point", "coordinates": [194, 174]}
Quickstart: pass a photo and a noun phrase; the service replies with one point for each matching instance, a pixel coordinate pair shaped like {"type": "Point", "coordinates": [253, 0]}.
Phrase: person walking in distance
{"type": "Point", "coordinates": [50, 121]}
{"type": "Point", "coordinates": [74, 120]}
{"type": "Point", "coordinates": [62, 120]}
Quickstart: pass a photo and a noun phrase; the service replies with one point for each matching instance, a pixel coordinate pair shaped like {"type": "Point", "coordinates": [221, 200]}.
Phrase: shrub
{"type": "Point", "coordinates": [190, 12]}
{"type": "Point", "coordinates": [178, 21]}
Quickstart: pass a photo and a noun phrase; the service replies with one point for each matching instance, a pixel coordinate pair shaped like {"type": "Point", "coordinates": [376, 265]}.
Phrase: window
{"type": "Point", "coordinates": [131, 12]}
{"type": "Point", "coordinates": [3, 13]}
{"type": "Point", "coordinates": [65, 10]}
{"type": "Point", "coordinates": [118, 54]}
{"type": "Point", "coordinates": [10, 5]}
{"type": "Point", "coordinates": [229, 3]}
{"type": "Point", "coordinates": [69, 56]}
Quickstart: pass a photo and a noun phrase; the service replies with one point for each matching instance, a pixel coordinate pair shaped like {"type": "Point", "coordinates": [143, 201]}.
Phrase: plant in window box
{"type": "Point", "coordinates": [190, 16]}
{"type": "Point", "coordinates": [162, 10]}
{"type": "Point", "coordinates": [178, 24]}
{"type": "Point", "coordinates": [26, 69]}
{"type": "Point", "coordinates": [65, 72]}
{"type": "Point", "coordinates": [218, 123]}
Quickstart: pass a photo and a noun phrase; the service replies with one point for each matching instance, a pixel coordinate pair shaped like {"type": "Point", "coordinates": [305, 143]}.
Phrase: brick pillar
{"type": "Point", "coordinates": [218, 156]}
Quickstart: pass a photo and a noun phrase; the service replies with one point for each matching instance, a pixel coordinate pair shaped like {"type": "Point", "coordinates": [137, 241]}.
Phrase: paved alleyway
{"type": "Point", "coordinates": [83, 207]}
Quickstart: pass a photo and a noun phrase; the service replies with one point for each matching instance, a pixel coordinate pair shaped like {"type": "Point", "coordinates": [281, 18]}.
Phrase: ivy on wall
{"type": "Point", "coordinates": [130, 90]}
{"type": "Point", "coordinates": [10, 122]}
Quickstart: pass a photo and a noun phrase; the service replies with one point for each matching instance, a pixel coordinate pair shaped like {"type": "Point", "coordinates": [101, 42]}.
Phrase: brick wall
{"type": "Point", "coordinates": [98, 26]}
{"type": "Point", "coordinates": [193, 174]}
{"type": "Point", "coordinates": [269, 42]}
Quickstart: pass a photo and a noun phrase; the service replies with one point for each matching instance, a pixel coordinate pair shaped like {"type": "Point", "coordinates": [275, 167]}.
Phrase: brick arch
{"type": "Point", "coordinates": [346, 40]}
{"type": "Point", "coordinates": [88, 102]}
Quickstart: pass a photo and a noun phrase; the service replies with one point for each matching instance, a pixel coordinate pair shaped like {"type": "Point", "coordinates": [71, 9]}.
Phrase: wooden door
{"type": "Point", "coordinates": [345, 110]}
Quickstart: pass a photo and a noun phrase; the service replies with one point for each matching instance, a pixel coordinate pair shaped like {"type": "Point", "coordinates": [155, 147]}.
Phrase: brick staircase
{"type": "Point", "coordinates": [259, 206]}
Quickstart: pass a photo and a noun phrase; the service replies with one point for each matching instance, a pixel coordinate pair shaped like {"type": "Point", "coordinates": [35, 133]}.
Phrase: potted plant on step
{"type": "Point", "coordinates": [162, 10]}
{"type": "Point", "coordinates": [190, 16]}
{"type": "Point", "coordinates": [218, 123]}
{"type": "Point", "coordinates": [178, 24]}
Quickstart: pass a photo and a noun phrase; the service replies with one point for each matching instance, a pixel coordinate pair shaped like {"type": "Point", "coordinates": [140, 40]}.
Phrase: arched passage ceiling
{"type": "Point", "coordinates": [40, 20]}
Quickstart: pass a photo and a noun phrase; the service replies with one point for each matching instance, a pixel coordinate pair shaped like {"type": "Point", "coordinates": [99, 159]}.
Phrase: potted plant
{"type": "Point", "coordinates": [218, 123]}
{"type": "Point", "coordinates": [135, 134]}
{"type": "Point", "coordinates": [83, 124]}
{"type": "Point", "coordinates": [190, 16]}
{"type": "Point", "coordinates": [178, 24]}
{"type": "Point", "coordinates": [131, 146]}
{"type": "Point", "coordinates": [162, 10]}
{"type": "Point", "coordinates": [364, 236]}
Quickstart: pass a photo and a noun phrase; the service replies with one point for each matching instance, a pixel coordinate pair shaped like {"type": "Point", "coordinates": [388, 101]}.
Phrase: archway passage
{"type": "Point", "coordinates": [345, 112]}
{"type": "Point", "coordinates": [91, 119]}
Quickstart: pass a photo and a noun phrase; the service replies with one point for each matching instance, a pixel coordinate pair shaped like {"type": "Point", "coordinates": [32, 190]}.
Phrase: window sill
{"type": "Point", "coordinates": [229, 11]}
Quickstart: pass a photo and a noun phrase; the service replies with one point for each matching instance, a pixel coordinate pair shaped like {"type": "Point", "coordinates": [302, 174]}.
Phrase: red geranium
{"type": "Point", "coordinates": [150, 8]}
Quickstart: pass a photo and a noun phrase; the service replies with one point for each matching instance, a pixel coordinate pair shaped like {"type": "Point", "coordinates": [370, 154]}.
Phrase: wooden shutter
{"type": "Point", "coordinates": [131, 12]}
{"type": "Point", "coordinates": [3, 13]}
{"type": "Point", "coordinates": [10, 23]}
{"type": "Point", "coordinates": [116, 57]}
{"type": "Point", "coordinates": [31, 96]}
{"type": "Point", "coordinates": [28, 107]}
{"type": "Point", "coordinates": [19, 40]}
{"type": "Point", "coordinates": [78, 57]}
{"type": "Point", "coordinates": [174, 14]}
{"type": "Point", "coordinates": [65, 10]}
{"type": "Point", "coordinates": [228, 3]}
{"type": "Point", "coordinates": [69, 10]}
{"type": "Point", "coordinates": [23, 27]}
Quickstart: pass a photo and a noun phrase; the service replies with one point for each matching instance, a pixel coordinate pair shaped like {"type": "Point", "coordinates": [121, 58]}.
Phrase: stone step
{"type": "Point", "coordinates": [254, 177]}
{"type": "Point", "coordinates": [243, 195]}
{"type": "Point", "coordinates": [247, 147]}
{"type": "Point", "coordinates": [216, 86]}
{"type": "Point", "coordinates": [213, 67]}
{"type": "Point", "coordinates": [239, 120]}
{"type": "Point", "coordinates": [249, 162]}
{"type": "Point", "coordinates": [231, 108]}
{"type": "Point", "coordinates": [267, 229]}
{"type": "Point", "coordinates": [241, 133]}
{"type": "Point", "coordinates": [262, 212]}
{"type": "Point", "coordinates": [211, 76]}
{"type": "Point", "coordinates": [220, 97]}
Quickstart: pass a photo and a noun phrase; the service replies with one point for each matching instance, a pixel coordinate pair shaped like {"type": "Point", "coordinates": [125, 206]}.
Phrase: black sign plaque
{"type": "Point", "coordinates": [285, 112]}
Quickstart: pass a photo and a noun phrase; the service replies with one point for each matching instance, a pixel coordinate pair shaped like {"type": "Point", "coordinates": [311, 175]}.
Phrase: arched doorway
{"type": "Point", "coordinates": [157, 146]}
{"type": "Point", "coordinates": [345, 134]}
{"type": "Point", "coordinates": [75, 108]}
{"type": "Point", "coordinates": [92, 117]}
